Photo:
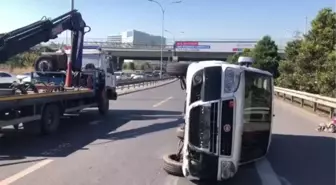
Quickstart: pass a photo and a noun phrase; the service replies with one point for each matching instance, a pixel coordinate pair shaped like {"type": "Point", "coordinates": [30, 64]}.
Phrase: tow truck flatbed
{"type": "Point", "coordinates": [28, 108]}
{"type": "Point", "coordinates": [14, 101]}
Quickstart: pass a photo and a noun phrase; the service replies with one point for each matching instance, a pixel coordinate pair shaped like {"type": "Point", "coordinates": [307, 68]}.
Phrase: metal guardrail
{"type": "Point", "coordinates": [315, 102]}
{"type": "Point", "coordinates": [128, 83]}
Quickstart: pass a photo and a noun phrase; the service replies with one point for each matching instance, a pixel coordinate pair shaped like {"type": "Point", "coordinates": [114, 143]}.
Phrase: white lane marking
{"type": "Point", "coordinates": [162, 102]}
{"type": "Point", "coordinates": [25, 172]}
{"type": "Point", "coordinates": [266, 173]}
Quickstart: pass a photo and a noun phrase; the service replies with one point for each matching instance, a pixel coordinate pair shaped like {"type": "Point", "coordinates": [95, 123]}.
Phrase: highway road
{"type": "Point", "coordinates": [126, 147]}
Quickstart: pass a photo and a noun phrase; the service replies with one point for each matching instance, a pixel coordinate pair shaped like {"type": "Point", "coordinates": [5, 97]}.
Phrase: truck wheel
{"type": "Point", "coordinates": [171, 165]}
{"type": "Point", "coordinates": [180, 132]}
{"type": "Point", "coordinates": [103, 105]}
{"type": "Point", "coordinates": [44, 63]}
{"type": "Point", "coordinates": [50, 119]}
{"type": "Point", "coordinates": [177, 69]}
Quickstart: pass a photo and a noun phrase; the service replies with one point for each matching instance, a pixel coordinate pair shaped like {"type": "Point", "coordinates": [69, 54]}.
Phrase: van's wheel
{"type": "Point", "coordinates": [172, 164]}
{"type": "Point", "coordinates": [50, 119]}
{"type": "Point", "coordinates": [180, 132]}
{"type": "Point", "coordinates": [103, 104]}
{"type": "Point", "coordinates": [177, 69]}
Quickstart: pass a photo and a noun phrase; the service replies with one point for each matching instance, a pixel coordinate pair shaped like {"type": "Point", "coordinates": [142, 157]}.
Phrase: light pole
{"type": "Point", "coordinates": [162, 29]}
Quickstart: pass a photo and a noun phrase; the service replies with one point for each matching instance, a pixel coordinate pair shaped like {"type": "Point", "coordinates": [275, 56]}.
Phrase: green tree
{"type": "Point", "coordinates": [125, 66]}
{"type": "Point", "coordinates": [131, 66]}
{"type": "Point", "coordinates": [266, 55]}
{"type": "Point", "coordinates": [310, 62]}
{"type": "Point", "coordinates": [142, 66]}
{"type": "Point", "coordinates": [147, 65]}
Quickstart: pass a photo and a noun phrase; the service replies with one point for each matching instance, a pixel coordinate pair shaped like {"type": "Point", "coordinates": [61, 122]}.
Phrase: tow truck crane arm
{"type": "Point", "coordinates": [22, 39]}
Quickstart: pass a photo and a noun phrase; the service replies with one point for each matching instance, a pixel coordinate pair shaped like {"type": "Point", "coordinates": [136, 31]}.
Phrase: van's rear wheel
{"type": "Point", "coordinates": [172, 164]}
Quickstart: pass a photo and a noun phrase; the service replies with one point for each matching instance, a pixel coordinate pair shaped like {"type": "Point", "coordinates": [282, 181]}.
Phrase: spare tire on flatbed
{"type": "Point", "coordinates": [177, 69]}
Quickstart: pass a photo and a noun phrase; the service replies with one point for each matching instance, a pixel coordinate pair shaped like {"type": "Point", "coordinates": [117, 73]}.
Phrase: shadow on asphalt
{"type": "Point", "coordinates": [74, 133]}
{"type": "Point", "coordinates": [132, 133]}
{"type": "Point", "coordinates": [303, 160]}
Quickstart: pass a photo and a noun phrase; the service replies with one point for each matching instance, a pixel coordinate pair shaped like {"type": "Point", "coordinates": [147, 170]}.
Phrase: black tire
{"type": "Point", "coordinates": [103, 104]}
{"type": "Point", "coordinates": [177, 69]}
{"type": "Point", "coordinates": [171, 165]}
{"type": "Point", "coordinates": [180, 132]}
{"type": "Point", "coordinates": [44, 63]}
{"type": "Point", "coordinates": [50, 119]}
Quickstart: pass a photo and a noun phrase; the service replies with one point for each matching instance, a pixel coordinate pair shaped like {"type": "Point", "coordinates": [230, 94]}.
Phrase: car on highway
{"type": "Point", "coordinates": [55, 78]}
{"type": "Point", "coordinates": [137, 76]}
{"type": "Point", "coordinates": [23, 76]}
{"type": "Point", "coordinates": [6, 79]}
{"type": "Point", "coordinates": [228, 118]}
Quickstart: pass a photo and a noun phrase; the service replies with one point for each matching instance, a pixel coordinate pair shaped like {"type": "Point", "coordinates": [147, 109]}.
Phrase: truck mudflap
{"type": "Point", "coordinates": [112, 93]}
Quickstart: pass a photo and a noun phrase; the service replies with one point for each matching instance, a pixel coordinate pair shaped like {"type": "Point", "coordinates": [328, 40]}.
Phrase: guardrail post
{"type": "Point", "coordinates": [302, 102]}
{"type": "Point", "coordinates": [314, 106]}
{"type": "Point", "coordinates": [332, 110]}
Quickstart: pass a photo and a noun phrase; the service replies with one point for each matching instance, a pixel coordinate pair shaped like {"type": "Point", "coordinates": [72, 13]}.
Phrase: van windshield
{"type": "Point", "coordinates": [258, 90]}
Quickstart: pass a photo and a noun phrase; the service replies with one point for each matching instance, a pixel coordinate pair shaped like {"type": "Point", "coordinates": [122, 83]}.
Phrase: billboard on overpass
{"type": "Point", "coordinates": [214, 46]}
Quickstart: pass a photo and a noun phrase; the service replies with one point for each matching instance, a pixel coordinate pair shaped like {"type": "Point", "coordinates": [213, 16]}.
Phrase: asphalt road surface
{"type": "Point", "coordinates": [126, 147]}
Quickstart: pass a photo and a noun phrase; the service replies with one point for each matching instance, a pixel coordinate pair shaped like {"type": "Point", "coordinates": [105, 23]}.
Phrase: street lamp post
{"type": "Point", "coordinates": [162, 30]}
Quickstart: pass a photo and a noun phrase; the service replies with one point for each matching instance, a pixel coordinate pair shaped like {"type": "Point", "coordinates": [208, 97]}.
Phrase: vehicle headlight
{"type": "Point", "coordinates": [231, 80]}
{"type": "Point", "coordinates": [204, 127]}
{"type": "Point", "coordinates": [198, 78]}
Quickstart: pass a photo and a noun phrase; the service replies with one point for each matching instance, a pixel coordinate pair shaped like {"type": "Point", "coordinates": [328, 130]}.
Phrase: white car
{"type": "Point", "coordinates": [137, 76]}
{"type": "Point", "coordinates": [25, 77]}
{"type": "Point", "coordinates": [7, 78]}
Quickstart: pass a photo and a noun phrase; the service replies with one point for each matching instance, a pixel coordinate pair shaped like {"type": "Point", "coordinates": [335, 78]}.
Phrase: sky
{"type": "Point", "coordinates": [203, 19]}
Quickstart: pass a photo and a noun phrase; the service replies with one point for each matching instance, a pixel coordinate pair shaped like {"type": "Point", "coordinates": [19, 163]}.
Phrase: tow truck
{"type": "Point", "coordinates": [86, 72]}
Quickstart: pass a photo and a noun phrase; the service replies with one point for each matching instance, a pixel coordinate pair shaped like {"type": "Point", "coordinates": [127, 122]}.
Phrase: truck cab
{"type": "Point", "coordinates": [94, 58]}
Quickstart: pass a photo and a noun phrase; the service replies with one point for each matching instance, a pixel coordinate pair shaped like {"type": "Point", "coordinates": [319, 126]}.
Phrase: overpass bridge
{"type": "Point", "coordinates": [184, 50]}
